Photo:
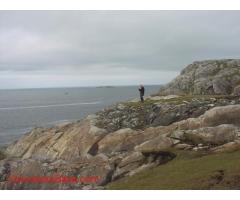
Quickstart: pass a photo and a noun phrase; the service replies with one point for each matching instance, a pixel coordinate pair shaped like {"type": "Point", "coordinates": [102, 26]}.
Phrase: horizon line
{"type": "Point", "coordinates": [66, 87]}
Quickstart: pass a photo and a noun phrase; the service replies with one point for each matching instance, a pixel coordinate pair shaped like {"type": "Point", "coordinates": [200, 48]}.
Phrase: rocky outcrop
{"type": "Point", "coordinates": [67, 142]}
{"type": "Point", "coordinates": [129, 137]}
{"type": "Point", "coordinates": [82, 149]}
{"type": "Point", "coordinates": [159, 111]}
{"type": "Point", "coordinates": [206, 77]}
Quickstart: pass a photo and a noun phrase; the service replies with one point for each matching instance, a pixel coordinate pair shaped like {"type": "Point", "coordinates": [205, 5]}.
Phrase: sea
{"type": "Point", "coordinates": [24, 109]}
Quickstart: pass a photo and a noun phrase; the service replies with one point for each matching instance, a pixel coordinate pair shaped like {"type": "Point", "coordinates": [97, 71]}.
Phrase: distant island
{"type": "Point", "coordinates": [107, 86]}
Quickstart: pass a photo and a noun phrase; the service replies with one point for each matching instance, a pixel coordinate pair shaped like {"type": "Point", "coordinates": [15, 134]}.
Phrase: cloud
{"type": "Point", "coordinates": [110, 42]}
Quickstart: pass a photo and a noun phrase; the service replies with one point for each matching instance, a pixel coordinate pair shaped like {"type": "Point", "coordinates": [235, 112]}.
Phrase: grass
{"type": "Point", "coordinates": [140, 104]}
{"type": "Point", "coordinates": [189, 170]}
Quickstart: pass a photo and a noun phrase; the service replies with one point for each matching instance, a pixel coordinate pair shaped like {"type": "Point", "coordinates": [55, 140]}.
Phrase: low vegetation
{"type": "Point", "coordinates": [178, 100]}
{"type": "Point", "coordinates": [189, 170]}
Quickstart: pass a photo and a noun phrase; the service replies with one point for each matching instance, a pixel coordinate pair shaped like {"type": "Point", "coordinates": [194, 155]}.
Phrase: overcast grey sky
{"type": "Point", "coordinates": [88, 48]}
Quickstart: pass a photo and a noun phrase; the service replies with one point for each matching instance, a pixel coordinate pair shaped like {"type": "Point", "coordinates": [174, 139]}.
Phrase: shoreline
{"type": "Point", "coordinates": [17, 113]}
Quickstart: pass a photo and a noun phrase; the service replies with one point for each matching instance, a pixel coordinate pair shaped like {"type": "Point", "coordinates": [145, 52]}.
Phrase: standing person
{"type": "Point", "coordinates": [141, 90]}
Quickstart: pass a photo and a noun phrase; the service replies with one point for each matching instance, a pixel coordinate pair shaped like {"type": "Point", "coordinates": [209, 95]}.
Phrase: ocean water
{"type": "Point", "coordinates": [22, 110]}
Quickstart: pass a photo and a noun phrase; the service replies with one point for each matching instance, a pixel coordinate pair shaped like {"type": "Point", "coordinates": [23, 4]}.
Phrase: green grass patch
{"type": "Point", "coordinates": [189, 170]}
{"type": "Point", "coordinates": [140, 104]}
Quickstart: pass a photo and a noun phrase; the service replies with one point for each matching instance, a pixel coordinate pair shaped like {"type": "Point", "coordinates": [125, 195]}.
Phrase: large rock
{"type": "Point", "coordinates": [157, 144]}
{"type": "Point", "coordinates": [121, 140]}
{"type": "Point", "coordinates": [213, 117]}
{"type": "Point", "coordinates": [125, 140]}
{"type": "Point", "coordinates": [217, 126]}
{"type": "Point", "coordinates": [208, 135]}
{"type": "Point", "coordinates": [206, 77]}
{"type": "Point", "coordinates": [67, 142]}
{"type": "Point", "coordinates": [222, 115]}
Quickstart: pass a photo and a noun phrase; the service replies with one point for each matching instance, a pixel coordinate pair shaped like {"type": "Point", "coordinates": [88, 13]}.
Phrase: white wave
{"type": "Point", "coordinates": [51, 105]}
{"type": "Point", "coordinates": [60, 122]}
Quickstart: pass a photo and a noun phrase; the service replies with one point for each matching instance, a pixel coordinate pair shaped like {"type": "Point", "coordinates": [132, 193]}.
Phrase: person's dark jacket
{"type": "Point", "coordinates": [141, 90]}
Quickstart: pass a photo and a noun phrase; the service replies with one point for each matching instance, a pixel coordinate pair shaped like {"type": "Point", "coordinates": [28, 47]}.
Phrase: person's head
{"type": "Point", "coordinates": [141, 86]}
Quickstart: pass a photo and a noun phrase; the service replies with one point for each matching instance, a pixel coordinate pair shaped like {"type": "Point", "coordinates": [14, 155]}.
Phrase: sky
{"type": "Point", "coordinates": [41, 49]}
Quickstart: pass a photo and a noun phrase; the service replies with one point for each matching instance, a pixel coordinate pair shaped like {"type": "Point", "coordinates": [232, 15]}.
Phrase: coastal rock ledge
{"type": "Point", "coordinates": [130, 137]}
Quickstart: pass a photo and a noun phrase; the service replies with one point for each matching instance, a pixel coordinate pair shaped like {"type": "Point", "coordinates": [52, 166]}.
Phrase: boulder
{"type": "Point", "coordinates": [125, 140]}
{"type": "Point", "coordinates": [157, 144]}
{"type": "Point", "coordinates": [118, 141]}
{"type": "Point", "coordinates": [208, 135]}
{"type": "Point", "coordinates": [211, 118]}
{"type": "Point", "coordinates": [221, 115]}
